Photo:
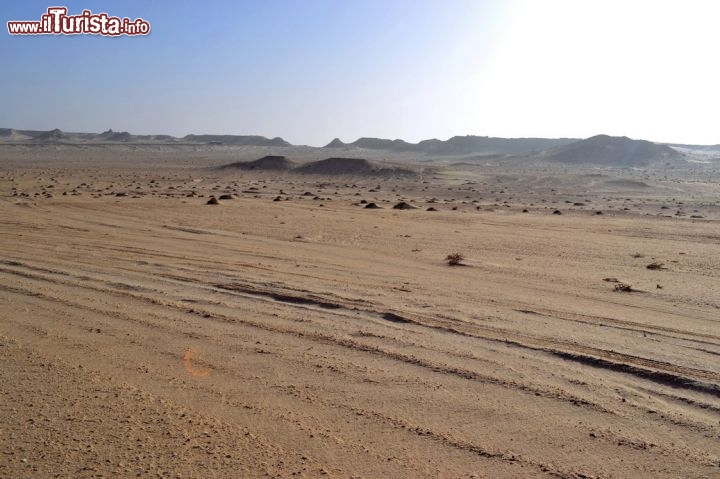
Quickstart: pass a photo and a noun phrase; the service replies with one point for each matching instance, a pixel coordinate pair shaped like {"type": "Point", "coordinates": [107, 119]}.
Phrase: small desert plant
{"type": "Point", "coordinates": [454, 259]}
{"type": "Point", "coordinates": [623, 288]}
{"type": "Point", "coordinates": [655, 265]}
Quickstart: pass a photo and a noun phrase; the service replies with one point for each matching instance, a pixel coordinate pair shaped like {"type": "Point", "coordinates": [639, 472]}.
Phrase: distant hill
{"type": "Point", "coordinates": [162, 137]}
{"type": "Point", "coordinates": [459, 145]}
{"type": "Point", "coordinates": [266, 163]}
{"type": "Point", "coordinates": [237, 140]}
{"type": "Point", "coordinates": [430, 145]}
{"type": "Point", "coordinates": [13, 135]}
{"type": "Point", "coordinates": [110, 135]}
{"type": "Point", "coordinates": [382, 144]}
{"type": "Point", "coordinates": [52, 135]}
{"type": "Point", "coordinates": [467, 145]}
{"type": "Point", "coordinates": [350, 166]}
{"type": "Point", "coordinates": [8, 135]}
{"type": "Point", "coordinates": [59, 136]}
{"type": "Point", "coordinates": [336, 143]}
{"type": "Point", "coordinates": [612, 151]}
{"type": "Point", "coordinates": [600, 150]}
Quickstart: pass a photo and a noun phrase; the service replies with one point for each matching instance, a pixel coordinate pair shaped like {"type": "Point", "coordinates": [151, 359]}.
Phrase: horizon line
{"type": "Point", "coordinates": [360, 137]}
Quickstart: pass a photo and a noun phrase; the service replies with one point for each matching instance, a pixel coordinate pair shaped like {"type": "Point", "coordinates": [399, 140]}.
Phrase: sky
{"type": "Point", "coordinates": [313, 70]}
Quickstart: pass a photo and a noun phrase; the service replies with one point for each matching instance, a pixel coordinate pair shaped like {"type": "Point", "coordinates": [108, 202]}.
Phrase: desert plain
{"type": "Point", "coordinates": [291, 331]}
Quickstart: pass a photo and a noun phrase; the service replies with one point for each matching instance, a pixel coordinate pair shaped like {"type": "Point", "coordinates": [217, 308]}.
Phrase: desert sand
{"type": "Point", "coordinates": [289, 331]}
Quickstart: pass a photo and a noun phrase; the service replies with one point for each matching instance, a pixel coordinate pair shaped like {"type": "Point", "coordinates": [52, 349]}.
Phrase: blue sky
{"type": "Point", "coordinates": [312, 70]}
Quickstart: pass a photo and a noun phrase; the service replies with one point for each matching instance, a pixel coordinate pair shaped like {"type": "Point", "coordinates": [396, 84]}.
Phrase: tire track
{"type": "Point", "coordinates": [661, 372]}
{"type": "Point", "coordinates": [623, 324]}
{"type": "Point", "coordinates": [334, 340]}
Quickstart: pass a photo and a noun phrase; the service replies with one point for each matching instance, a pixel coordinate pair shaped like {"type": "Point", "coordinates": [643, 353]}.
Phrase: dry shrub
{"type": "Point", "coordinates": [655, 265]}
{"type": "Point", "coordinates": [454, 259]}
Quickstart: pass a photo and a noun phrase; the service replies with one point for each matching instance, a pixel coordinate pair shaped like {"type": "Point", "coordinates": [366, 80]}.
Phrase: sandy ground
{"type": "Point", "coordinates": [146, 334]}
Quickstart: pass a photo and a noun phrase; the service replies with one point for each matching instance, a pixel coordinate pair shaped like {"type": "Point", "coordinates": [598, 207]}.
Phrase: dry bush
{"type": "Point", "coordinates": [454, 259]}
{"type": "Point", "coordinates": [623, 288]}
{"type": "Point", "coordinates": [655, 265]}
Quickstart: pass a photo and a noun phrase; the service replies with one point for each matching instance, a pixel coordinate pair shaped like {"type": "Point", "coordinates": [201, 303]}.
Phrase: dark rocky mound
{"type": "Point", "coordinates": [336, 143]}
{"type": "Point", "coordinates": [404, 206]}
{"type": "Point", "coordinates": [267, 163]}
{"type": "Point", "coordinates": [612, 151]}
{"type": "Point", "coordinates": [212, 201]}
{"type": "Point", "coordinates": [350, 166]}
{"type": "Point", "coordinates": [237, 140]}
{"type": "Point", "coordinates": [372, 206]}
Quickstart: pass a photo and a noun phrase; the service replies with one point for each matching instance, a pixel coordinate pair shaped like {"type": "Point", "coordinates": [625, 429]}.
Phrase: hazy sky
{"type": "Point", "coordinates": [311, 70]}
